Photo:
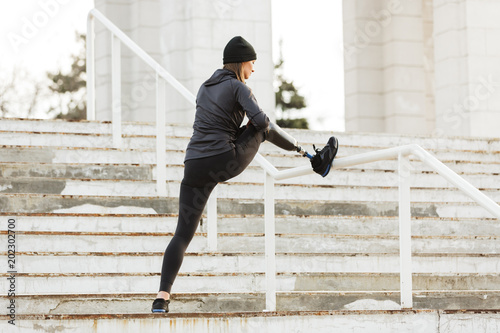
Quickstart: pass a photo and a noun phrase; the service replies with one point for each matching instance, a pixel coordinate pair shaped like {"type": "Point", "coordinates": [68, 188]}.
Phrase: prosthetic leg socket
{"type": "Point", "coordinates": [285, 141]}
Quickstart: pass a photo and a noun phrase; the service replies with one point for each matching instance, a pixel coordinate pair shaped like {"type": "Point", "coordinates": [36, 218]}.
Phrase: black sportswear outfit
{"type": "Point", "coordinates": [218, 150]}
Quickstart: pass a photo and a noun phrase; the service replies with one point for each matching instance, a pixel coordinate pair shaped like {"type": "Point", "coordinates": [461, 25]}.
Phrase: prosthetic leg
{"type": "Point", "coordinates": [282, 139]}
{"type": "Point", "coordinates": [321, 161]}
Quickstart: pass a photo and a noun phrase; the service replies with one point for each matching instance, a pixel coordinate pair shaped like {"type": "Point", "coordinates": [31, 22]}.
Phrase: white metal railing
{"type": "Point", "coordinates": [162, 76]}
{"type": "Point", "coordinates": [401, 153]}
{"type": "Point", "coordinates": [271, 173]}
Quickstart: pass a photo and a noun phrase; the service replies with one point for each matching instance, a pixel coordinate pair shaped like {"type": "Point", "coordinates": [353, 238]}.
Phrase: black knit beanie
{"type": "Point", "coordinates": [238, 50]}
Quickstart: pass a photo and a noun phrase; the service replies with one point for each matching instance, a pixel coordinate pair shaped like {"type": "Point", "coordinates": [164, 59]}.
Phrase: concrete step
{"type": "Point", "coordinates": [80, 204]}
{"type": "Point", "coordinates": [58, 155]}
{"type": "Point", "coordinates": [224, 262]}
{"type": "Point", "coordinates": [82, 171]}
{"type": "Point", "coordinates": [37, 241]}
{"type": "Point", "coordinates": [254, 191]}
{"type": "Point", "coordinates": [122, 303]}
{"type": "Point", "coordinates": [82, 155]}
{"type": "Point", "coordinates": [93, 283]}
{"type": "Point", "coordinates": [365, 139]}
{"type": "Point", "coordinates": [389, 320]}
{"type": "Point", "coordinates": [88, 127]}
{"type": "Point", "coordinates": [348, 147]}
{"type": "Point", "coordinates": [95, 224]}
{"type": "Point", "coordinates": [253, 174]}
{"type": "Point", "coordinates": [105, 141]}
{"type": "Point", "coordinates": [346, 225]}
{"type": "Point", "coordinates": [234, 190]}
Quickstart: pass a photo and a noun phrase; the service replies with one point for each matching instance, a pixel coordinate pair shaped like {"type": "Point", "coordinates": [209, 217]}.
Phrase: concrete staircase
{"type": "Point", "coordinates": [91, 231]}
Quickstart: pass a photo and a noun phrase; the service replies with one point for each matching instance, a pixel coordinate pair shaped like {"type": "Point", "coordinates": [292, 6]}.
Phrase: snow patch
{"type": "Point", "coordinates": [5, 187]}
{"type": "Point", "coordinates": [371, 304]}
{"type": "Point", "coordinates": [95, 209]}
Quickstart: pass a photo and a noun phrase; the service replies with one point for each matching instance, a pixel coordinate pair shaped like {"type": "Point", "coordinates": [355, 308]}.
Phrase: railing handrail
{"type": "Point", "coordinates": [401, 153]}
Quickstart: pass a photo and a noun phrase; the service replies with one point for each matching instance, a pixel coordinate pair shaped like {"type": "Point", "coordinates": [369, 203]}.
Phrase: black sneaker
{"type": "Point", "coordinates": [160, 305]}
{"type": "Point", "coordinates": [322, 161]}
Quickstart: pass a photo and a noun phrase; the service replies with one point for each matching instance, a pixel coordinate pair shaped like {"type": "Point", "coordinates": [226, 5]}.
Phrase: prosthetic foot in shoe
{"type": "Point", "coordinates": [322, 161]}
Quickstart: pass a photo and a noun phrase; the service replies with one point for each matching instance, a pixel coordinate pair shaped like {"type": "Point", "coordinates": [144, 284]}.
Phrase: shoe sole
{"type": "Point", "coordinates": [336, 147]}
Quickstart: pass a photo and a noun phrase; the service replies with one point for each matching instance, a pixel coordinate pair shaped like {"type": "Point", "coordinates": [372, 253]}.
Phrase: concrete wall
{"type": "Point", "coordinates": [136, 19]}
{"type": "Point", "coordinates": [422, 66]}
{"type": "Point", "coordinates": [195, 32]}
{"type": "Point", "coordinates": [187, 38]}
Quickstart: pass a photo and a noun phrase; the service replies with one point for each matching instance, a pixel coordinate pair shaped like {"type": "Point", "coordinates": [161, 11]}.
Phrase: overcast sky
{"type": "Point", "coordinates": [311, 32]}
{"type": "Point", "coordinates": [312, 37]}
{"type": "Point", "coordinates": [29, 40]}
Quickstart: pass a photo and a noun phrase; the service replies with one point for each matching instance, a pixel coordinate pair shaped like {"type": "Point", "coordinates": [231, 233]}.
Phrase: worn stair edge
{"type": "Point", "coordinates": [95, 126]}
{"type": "Point", "coordinates": [53, 139]}
{"type": "Point", "coordinates": [229, 215]}
{"type": "Point", "coordinates": [40, 203]}
{"type": "Point", "coordinates": [225, 254]}
{"type": "Point", "coordinates": [296, 262]}
{"type": "Point", "coordinates": [149, 154]}
{"type": "Point", "coordinates": [251, 235]}
{"type": "Point", "coordinates": [247, 314]}
{"type": "Point", "coordinates": [267, 149]}
{"type": "Point", "coordinates": [388, 321]}
{"type": "Point", "coordinates": [235, 302]}
{"type": "Point", "coordinates": [147, 172]}
{"type": "Point", "coordinates": [23, 173]}
{"type": "Point", "coordinates": [239, 190]}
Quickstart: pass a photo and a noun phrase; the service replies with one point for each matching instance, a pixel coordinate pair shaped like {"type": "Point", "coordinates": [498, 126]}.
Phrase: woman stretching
{"type": "Point", "coordinates": [219, 149]}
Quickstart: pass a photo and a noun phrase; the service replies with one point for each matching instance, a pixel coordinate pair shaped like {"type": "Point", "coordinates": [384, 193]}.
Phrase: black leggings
{"type": "Point", "coordinates": [200, 178]}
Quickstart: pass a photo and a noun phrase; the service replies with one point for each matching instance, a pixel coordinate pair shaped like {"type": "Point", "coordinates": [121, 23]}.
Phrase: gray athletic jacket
{"type": "Point", "coordinates": [221, 105]}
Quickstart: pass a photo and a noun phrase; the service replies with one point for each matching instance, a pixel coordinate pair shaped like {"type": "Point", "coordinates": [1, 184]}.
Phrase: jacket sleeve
{"type": "Point", "coordinates": [247, 100]}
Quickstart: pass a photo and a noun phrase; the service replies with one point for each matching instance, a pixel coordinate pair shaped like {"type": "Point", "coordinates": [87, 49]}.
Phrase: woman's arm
{"type": "Point", "coordinates": [247, 100]}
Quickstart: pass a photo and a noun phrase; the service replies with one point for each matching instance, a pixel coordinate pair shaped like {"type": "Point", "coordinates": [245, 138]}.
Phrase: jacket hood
{"type": "Point", "coordinates": [220, 75]}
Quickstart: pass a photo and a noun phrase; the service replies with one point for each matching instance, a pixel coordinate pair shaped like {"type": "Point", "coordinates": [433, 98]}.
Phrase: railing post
{"type": "Point", "coordinates": [116, 94]}
{"type": "Point", "coordinates": [270, 239]}
{"type": "Point", "coordinates": [90, 70]}
{"type": "Point", "coordinates": [161, 147]}
{"type": "Point", "coordinates": [212, 221]}
{"type": "Point", "coordinates": [405, 232]}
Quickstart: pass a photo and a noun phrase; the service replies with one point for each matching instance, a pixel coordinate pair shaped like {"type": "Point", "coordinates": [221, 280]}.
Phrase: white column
{"type": "Point", "coordinates": [403, 67]}
{"type": "Point", "coordinates": [187, 38]}
{"type": "Point", "coordinates": [363, 61]}
{"type": "Point", "coordinates": [428, 63]}
{"type": "Point", "coordinates": [117, 12]}
{"type": "Point", "coordinates": [467, 67]}
{"type": "Point", "coordinates": [140, 21]}
{"type": "Point", "coordinates": [193, 36]}
{"type": "Point", "coordinates": [384, 66]}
